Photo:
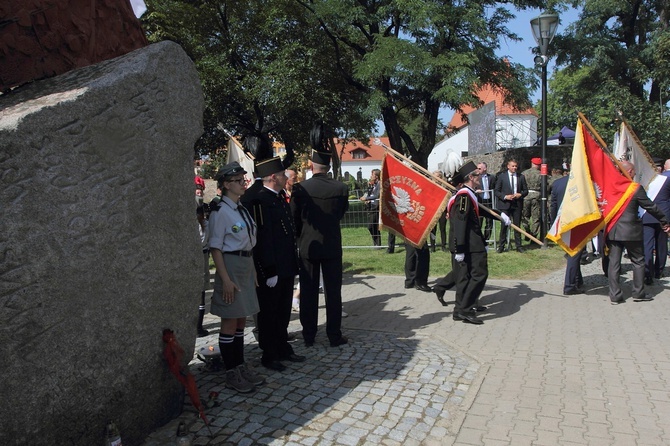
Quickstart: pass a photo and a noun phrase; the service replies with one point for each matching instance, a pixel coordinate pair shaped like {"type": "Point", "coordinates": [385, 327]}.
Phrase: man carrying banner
{"type": "Point", "coordinates": [468, 245]}
{"type": "Point", "coordinates": [627, 233]}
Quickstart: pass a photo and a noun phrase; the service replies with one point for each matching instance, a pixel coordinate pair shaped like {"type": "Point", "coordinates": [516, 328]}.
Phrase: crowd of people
{"type": "Point", "coordinates": [261, 237]}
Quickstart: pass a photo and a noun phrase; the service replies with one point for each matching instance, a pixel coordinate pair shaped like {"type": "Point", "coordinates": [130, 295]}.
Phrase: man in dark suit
{"type": "Point", "coordinates": [510, 190]}
{"type": "Point", "coordinates": [276, 262]}
{"type": "Point", "coordinates": [469, 261]}
{"type": "Point", "coordinates": [627, 234]}
{"type": "Point", "coordinates": [655, 239]}
{"type": "Point", "coordinates": [485, 197]}
{"type": "Point", "coordinates": [318, 205]}
{"type": "Point", "coordinates": [572, 284]}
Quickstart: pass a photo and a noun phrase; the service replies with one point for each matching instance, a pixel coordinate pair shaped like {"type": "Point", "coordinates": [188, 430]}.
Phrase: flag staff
{"type": "Point", "coordinates": [452, 189]}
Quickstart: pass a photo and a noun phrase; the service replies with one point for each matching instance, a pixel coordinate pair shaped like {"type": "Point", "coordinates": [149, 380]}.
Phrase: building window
{"type": "Point", "coordinates": [359, 154]}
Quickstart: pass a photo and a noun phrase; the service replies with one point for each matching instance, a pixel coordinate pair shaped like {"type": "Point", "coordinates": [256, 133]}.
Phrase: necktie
{"type": "Point", "coordinates": [247, 219]}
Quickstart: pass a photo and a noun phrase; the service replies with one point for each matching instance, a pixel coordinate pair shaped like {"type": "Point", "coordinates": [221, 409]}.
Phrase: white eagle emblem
{"type": "Point", "coordinates": [401, 201]}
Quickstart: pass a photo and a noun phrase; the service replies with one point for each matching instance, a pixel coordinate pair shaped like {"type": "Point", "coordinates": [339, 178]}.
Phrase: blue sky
{"type": "Point", "coordinates": [521, 52]}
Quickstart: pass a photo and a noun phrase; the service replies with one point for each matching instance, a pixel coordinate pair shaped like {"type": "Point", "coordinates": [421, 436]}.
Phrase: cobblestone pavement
{"type": "Point", "coordinates": [544, 369]}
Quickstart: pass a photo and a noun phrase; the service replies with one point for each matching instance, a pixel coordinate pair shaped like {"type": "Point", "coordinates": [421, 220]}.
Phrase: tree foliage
{"type": "Point", "coordinates": [616, 57]}
{"type": "Point", "coordinates": [263, 68]}
{"type": "Point", "coordinates": [412, 57]}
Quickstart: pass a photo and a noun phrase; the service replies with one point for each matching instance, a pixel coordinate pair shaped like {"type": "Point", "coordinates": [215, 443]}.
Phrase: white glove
{"type": "Point", "coordinates": [459, 257]}
{"type": "Point", "coordinates": [505, 219]}
{"type": "Point", "coordinates": [272, 281]}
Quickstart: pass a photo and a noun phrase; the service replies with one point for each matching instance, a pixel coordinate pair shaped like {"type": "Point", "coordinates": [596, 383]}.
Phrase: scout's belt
{"type": "Point", "coordinates": [240, 253]}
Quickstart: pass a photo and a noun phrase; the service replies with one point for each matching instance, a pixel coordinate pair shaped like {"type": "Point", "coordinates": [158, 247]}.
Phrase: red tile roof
{"type": "Point", "coordinates": [372, 151]}
{"type": "Point", "coordinates": [486, 95]}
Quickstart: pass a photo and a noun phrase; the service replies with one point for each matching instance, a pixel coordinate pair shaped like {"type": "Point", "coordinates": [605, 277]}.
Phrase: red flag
{"type": "Point", "coordinates": [174, 354]}
{"type": "Point", "coordinates": [593, 176]}
{"type": "Point", "coordinates": [411, 203]}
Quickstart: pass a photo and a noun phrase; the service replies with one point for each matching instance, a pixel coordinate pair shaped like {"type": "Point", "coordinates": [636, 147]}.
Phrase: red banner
{"type": "Point", "coordinates": [411, 203]}
{"type": "Point", "coordinates": [595, 196]}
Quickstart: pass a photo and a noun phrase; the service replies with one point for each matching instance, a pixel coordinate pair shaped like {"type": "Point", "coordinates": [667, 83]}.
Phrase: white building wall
{"type": "Point", "coordinates": [511, 131]}
{"type": "Point", "coordinates": [514, 131]}
{"type": "Point", "coordinates": [365, 166]}
{"type": "Point", "coordinates": [456, 143]}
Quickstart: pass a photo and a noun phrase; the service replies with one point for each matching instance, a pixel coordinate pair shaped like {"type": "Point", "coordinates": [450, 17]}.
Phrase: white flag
{"type": "Point", "coordinates": [627, 148]}
{"type": "Point", "coordinates": [236, 153]}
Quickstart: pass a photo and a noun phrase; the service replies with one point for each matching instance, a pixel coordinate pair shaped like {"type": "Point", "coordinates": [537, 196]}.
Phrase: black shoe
{"type": "Point", "coordinates": [572, 292]}
{"type": "Point", "coordinates": [342, 341]}
{"type": "Point", "coordinates": [480, 308]}
{"type": "Point", "coordinates": [617, 302]}
{"type": "Point", "coordinates": [202, 332]}
{"type": "Point", "coordinates": [648, 281]}
{"type": "Point", "coordinates": [424, 288]}
{"type": "Point", "coordinates": [409, 286]}
{"type": "Point", "coordinates": [440, 296]}
{"type": "Point", "coordinates": [470, 318]}
{"type": "Point", "coordinates": [274, 365]}
{"type": "Point", "coordinates": [309, 342]}
{"type": "Point", "coordinates": [644, 298]}
{"type": "Point", "coordinates": [456, 316]}
{"type": "Point", "coordinates": [390, 251]}
{"type": "Point", "coordinates": [520, 249]}
{"type": "Point", "coordinates": [500, 249]}
{"type": "Point", "coordinates": [294, 358]}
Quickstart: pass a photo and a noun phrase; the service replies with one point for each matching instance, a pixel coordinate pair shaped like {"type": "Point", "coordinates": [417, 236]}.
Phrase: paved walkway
{"type": "Point", "coordinates": [544, 369]}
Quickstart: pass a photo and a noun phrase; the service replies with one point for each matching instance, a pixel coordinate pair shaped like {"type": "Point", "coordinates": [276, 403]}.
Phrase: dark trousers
{"type": "Point", "coordinates": [445, 283]}
{"type": "Point", "coordinates": [373, 228]}
{"type": "Point", "coordinates": [417, 265]}
{"type": "Point", "coordinates": [391, 247]}
{"type": "Point", "coordinates": [309, 297]}
{"type": "Point", "coordinates": [273, 319]}
{"type": "Point", "coordinates": [442, 226]}
{"type": "Point", "coordinates": [636, 257]}
{"type": "Point", "coordinates": [470, 276]}
{"type": "Point", "coordinates": [654, 240]}
{"type": "Point", "coordinates": [514, 213]}
{"type": "Point", "coordinates": [573, 273]}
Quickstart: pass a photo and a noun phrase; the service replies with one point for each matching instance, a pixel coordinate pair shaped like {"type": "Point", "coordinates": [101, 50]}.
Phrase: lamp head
{"type": "Point", "coordinates": [544, 29]}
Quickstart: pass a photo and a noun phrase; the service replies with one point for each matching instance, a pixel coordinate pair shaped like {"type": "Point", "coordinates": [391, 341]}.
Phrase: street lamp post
{"type": "Point", "coordinates": [544, 28]}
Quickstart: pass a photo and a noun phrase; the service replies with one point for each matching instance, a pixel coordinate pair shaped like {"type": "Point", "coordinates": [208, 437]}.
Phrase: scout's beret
{"type": "Point", "coordinates": [536, 160]}
{"type": "Point", "coordinates": [229, 170]}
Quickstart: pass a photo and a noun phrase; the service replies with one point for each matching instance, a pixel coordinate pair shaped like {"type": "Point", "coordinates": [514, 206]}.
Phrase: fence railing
{"type": "Point", "coordinates": [355, 222]}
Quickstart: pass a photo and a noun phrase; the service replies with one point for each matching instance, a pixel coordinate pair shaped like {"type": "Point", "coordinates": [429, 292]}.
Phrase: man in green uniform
{"type": "Point", "coordinates": [531, 207]}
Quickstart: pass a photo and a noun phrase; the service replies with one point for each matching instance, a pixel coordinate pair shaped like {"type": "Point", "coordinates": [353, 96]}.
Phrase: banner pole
{"type": "Point", "coordinates": [451, 188]}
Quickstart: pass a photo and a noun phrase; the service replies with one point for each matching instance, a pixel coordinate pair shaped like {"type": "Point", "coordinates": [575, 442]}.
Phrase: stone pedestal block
{"type": "Point", "coordinates": [99, 249]}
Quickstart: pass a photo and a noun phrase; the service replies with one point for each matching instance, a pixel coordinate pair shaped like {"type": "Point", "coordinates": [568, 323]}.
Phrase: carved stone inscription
{"type": "Point", "coordinates": [98, 247]}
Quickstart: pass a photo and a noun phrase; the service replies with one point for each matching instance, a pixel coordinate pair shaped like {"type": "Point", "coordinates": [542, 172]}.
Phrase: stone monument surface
{"type": "Point", "coordinates": [99, 250]}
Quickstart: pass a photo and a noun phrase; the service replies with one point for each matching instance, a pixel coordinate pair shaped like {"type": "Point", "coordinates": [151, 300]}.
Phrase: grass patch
{"type": "Point", "coordinates": [532, 264]}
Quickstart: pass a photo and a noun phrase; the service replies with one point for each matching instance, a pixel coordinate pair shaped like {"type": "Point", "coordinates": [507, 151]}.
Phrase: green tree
{"type": "Point", "coordinates": [262, 67]}
{"type": "Point", "coordinates": [615, 58]}
{"type": "Point", "coordinates": [411, 58]}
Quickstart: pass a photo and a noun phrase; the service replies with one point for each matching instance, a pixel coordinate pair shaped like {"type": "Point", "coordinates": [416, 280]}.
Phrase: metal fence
{"type": "Point", "coordinates": [357, 235]}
